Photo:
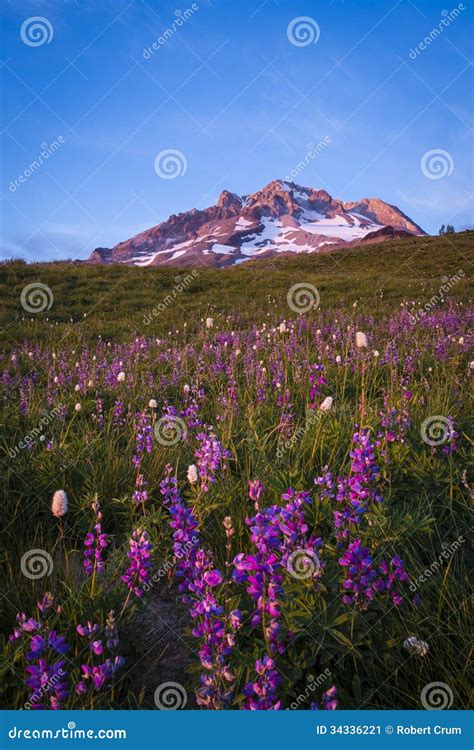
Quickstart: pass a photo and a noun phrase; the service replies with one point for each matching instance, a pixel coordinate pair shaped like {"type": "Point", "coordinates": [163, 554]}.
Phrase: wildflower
{"type": "Point", "coordinates": [78, 408]}
{"type": "Point", "coordinates": [256, 490]}
{"type": "Point", "coordinates": [338, 359]}
{"type": "Point", "coordinates": [329, 699]}
{"type": "Point", "coordinates": [152, 403]}
{"type": "Point", "coordinates": [192, 474]}
{"type": "Point", "coordinates": [47, 677]}
{"type": "Point", "coordinates": [360, 575]}
{"type": "Point", "coordinates": [361, 340]}
{"type": "Point", "coordinates": [121, 377]}
{"type": "Point", "coordinates": [210, 459]}
{"type": "Point", "coordinates": [94, 543]}
{"type": "Point", "coordinates": [376, 354]}
{"type": "Point", "coordinates": [414, 646]}
{"type": "Point", "coordinates": [59, 505]}
{"type": "Point", "coordinates": [199, 579]}
{"type": "Point", "coordinates": [229, 529]}
{"type": "Point", "coordinates": [99, 674]}
{"type": "Point", "coordinates": [261, 694]}
{"type": "Point", "coordinates": [143, 438]}
{"type": "Point", "coordinates": [136, 577]}
{"type": "Point", "coordinates": [326, 404]}
{"type": "Point", "coordinates": [118, 414]}
{"type": "Point", "coordinates": [282, 328]}
{"type": "Point", "coordinates": [209, 322]}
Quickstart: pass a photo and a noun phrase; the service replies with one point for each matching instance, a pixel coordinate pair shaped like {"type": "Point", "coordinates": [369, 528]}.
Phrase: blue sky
{"type": "Point", "coordinates": [241, 102]}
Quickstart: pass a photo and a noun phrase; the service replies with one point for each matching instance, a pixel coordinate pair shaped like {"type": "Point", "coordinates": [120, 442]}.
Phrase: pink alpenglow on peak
{"type": "Point", "coordinates": [280, 218]}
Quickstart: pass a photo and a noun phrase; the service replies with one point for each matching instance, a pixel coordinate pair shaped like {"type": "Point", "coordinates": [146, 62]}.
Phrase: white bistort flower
{"type": "Point", "coordinates": [327, 404]}
{"type": "Point", "coordinates": [361, 340]}
{"type": "Point", "coordinates": [414, 646]}
{"type": "Point", "coordinates": [59, 504]}
{"type": "Point", "coordinates": [192, 474]}
{"type": "Point", "coordinates": [121, 377]}
{"type": "Point", "coordinates": [209, 322]}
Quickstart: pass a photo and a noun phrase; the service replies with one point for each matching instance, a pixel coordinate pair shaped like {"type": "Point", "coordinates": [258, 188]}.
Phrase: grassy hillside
{"type": "Point", "coordinates": [118, 301]}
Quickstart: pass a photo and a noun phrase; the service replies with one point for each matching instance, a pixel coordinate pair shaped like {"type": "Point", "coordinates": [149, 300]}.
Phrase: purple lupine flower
{"type": "Point", "coordinates": [358, 490]}
{"type": "Point", "coordinates": [329, 700]}
{"type": "Point", "coordinates": [359, 575]}
{"type": "Point", "coordinates": [95, 543]}
{"type": "Point", "coordinates": [47, 681]}
{"type": "Point", "coordinates": [278, 534]}
{"type": "Point", "coordinates": [262, 574]}
{"type": "Point", "coordinates": [256, 490]}
{"type": "Point", "coordinates": [102, 673]}
{"type": "Point", "coordinates": [118, 414]}
{"type": "Point", "coordinates": [47, 676]}
{"type": "Point", "coordinates": [364, 581]}
{"type": "Point", "coordinates": [198, 580]}
{"type": "Point", "coordinates": [137, 575]}
{"type": "Point", "coordinates": [210, 459]}
{"type": "Point", "coordinates": [140, 494]}
{"type": "Point", "coordinates": [143, 444]}
{"type": "Point", "coordinates": [317, 380]}
{"type": "Point", "coordinates": [261, 694]}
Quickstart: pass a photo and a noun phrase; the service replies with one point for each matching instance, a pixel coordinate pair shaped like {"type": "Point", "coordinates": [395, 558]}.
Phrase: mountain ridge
{"type": "Point", "coordinates": [282, 217]}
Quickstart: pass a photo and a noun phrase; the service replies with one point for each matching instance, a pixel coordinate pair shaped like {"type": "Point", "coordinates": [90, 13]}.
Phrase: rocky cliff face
{"type": "Point", "coordinates": [281, 218]}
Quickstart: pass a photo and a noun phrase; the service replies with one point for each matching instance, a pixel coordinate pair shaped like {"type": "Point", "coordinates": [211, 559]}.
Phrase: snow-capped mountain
{"type": "Point", "coordinates": [280, 218]}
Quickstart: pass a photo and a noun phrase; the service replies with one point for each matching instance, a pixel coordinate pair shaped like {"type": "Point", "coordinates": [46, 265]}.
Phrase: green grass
{"type": "Point", "coordinates": [117, 300]}
{"type": "Point", "coordinates": [426, 498]}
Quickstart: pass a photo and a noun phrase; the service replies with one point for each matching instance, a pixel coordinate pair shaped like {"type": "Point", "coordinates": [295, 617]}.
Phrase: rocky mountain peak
{"type": "Point", "coordinates": [281, 217]}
